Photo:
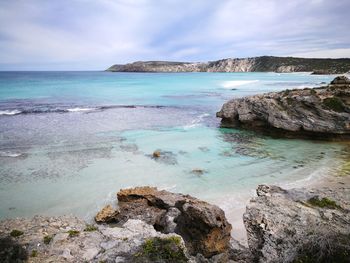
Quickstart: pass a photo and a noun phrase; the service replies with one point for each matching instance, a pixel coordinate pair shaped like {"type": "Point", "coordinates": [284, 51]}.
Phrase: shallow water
{"type": "Point", "coordinates": [70, 140]}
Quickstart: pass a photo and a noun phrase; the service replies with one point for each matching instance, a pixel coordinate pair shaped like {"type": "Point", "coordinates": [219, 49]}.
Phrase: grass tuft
{"type": "Point", "coordinates": [163, 250]}
{"type": "Point", "coordinates": [47, 239]}
{"type": "Point", "coordinates": [73, 233]}
{"type": "Point", "coordinates": [90, 228]}
{"type": "Point", "coordinates": [323, 203]}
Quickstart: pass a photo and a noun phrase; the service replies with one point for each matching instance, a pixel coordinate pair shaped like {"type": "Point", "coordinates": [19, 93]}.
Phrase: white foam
{"type": "Point", "coordinates": [9, 112]}
{"type": "Point", "coordinates": [9, 154]}
{"type": "Point", "coordinates": [196, 122]}
{"type": "Point", "coordinates": [80, 109]}
{"type": "Point", "coordinates": [235, 83]}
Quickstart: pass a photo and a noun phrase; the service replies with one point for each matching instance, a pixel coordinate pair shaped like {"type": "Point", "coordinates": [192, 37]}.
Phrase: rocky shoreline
{"type": "Point", "coordinates": [296, 225]}
{"type": "Point", "coordinates": [253, 64]}
{"type": "Point", "coordinates": [321, 113]}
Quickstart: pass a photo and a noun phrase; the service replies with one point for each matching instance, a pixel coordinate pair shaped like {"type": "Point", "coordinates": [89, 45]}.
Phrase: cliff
{"type": "Point", "coordinates": [320, 112]}
{"type": "Point", "coordinates": [254, 64]}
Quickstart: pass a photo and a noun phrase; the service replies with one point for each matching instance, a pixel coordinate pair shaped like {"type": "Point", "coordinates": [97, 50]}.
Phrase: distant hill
{"type": "Point", "coordinates": [254, 64]}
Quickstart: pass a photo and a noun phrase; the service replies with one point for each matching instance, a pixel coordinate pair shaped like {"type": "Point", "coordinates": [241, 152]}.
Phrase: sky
{"type": "Point", "coordinates": [93, 35]}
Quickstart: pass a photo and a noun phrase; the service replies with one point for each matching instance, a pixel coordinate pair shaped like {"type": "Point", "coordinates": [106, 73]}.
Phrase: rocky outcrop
{"type": "Point", "coordinates": [320, 112]}
{"type": "Point", "coordinates": [254, 64]}
{"type": "Point", "coordinates": [68, 239]}
{"type": "Point", "coordinates": [203, 226]}
{"type": "Point", "coordinates": [299, 225]}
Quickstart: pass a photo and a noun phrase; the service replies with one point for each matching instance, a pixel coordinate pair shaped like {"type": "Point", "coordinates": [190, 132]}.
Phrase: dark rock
{"type": "Point", "coordinates": [203, 226]}
{"type": "Point", "coordinates": [198, 172]}
{"type": "Point", "coordinates": [165, 157]}
{"type": "Point", "coordinates": [340, 80]}
{"type": "Point", "coordinates": [11, 251]}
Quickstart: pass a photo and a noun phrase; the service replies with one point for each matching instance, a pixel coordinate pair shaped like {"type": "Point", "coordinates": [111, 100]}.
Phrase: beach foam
{"type": "Point", "coordinates": [80, 109]}
{"type": "Point", "coordinates": [10, 154]}
{"type": "Point", "coordinates": [9, 112]}
{"type": "Point", "coordinates": [235, 83]}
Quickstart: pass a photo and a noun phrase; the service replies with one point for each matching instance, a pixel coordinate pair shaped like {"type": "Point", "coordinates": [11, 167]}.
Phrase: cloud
{"type": "Point", "coordinates": [77, 34]}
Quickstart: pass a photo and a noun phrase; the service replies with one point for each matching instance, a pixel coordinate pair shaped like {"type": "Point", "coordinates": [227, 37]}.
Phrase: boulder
{"type": "Point", "coordinates": [203, 226]}
{"type": "Point", "coordinates": [320, 113]}
{"type": "Point", "coordinates": [340, 80]}
{"type": "Point", "coordinates": [299, 225]}
{"type": "Point", "coordinates": [106, 215]}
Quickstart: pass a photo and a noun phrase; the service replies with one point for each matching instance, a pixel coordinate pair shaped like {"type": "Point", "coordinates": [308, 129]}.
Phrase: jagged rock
{"type": "Point", "coordinates": [165, 157]}
{"type": "Point", "coordinates": [322, 112]}
{"type": "Point", "coordinates": [340, 80]}
{"type": "Point", "coordinates": [286, 226]}
{"type": "Point", "coordinates": [203, 226]}
{"type": "Point", "coordinates": [106, 215]}
{"type": "Point", "coordinates": [135, 241]}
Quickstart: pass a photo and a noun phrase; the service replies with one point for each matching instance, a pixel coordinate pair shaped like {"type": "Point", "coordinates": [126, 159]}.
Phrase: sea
{"type": "Point", "coordinates": [69, 141]}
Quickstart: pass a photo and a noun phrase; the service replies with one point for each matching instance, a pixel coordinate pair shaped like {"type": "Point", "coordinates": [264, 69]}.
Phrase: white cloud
{"type": "Point", "coordinates": [325, 53]}
{"type": "Point", "coordinates": [95, 34]}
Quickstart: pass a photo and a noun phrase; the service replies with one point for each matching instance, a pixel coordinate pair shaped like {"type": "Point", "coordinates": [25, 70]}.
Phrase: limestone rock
{"type": "Point", "coordinates": [285, 226]}
{"type": "Point", "coordinates": [203, 226]}
{"type": "Point", "coordinates": [106, 215]}
{"type": "Point", "coordinates": [106, 244]}
{"type": "Point", "coordinates": [321, 112]}
{"type": "Point", "coordinates": [253, 64]}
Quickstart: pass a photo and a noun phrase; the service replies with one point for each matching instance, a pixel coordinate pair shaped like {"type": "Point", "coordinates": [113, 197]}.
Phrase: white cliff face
{"type": "Point", "coordinates": [324, 110]}
{"type": "Point", "coordinates": [233, 65]}
{"type": "Point", "coordinates": [255, 64]}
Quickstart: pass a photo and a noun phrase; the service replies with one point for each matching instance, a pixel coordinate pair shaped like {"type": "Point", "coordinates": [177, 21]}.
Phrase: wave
{"type": "Point", "coordinates": [9, 112]}
{"type": "Point", "coordinates": [10, 154]}
{"type": "Point", "coordinates": [235, 83]}
{"type": "Point", "coordinates": [81, 109]}
{"type": "Point", "coordinates": [197, 121]}
{"type": "Point", "coordinates": [72, 109]}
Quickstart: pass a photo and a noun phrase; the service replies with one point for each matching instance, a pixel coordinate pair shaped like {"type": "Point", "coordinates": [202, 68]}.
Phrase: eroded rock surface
{"type": "Point", "coordinates": [299, 225]}
{"type": "Point", "coordinates": [321, 112]}
{"type": "Point", "coordinates": [68, 239]}
{"type": "Point", "coordinates": [203, 226]}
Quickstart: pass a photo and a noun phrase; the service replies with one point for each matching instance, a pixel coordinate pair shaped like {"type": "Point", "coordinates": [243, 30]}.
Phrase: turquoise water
{"type": "Point", "coordinates": [70, 140]}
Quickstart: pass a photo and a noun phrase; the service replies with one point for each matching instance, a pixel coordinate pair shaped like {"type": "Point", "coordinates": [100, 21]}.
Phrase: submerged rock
{"type": "Point", "coordinates": [165, 157]}
{"type": "Point", "coordinates": [320, 112]}
{"type": "Point", "coordinates": [299, 225]}
{"type": "Point", "coordinates": [203, 226]}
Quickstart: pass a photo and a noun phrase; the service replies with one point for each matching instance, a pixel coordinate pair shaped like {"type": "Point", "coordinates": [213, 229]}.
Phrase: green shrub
{"type": "Point", "coordinates": [323, 203]}
{"type": "Point", "coordinates": [47, 239]}
{"type": "Point", "coordinates": [334, 104]}
{"type": "Point", "coordinates": [90, 228]}
{"type": "Point", "coordinates": [34, 253]}
{"type": "Point", "coordinates": [164, 250]}
{"type": "Point", "coordinates": [73, 233]}
{"type": "Point", "coordinates": [16, 233]}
